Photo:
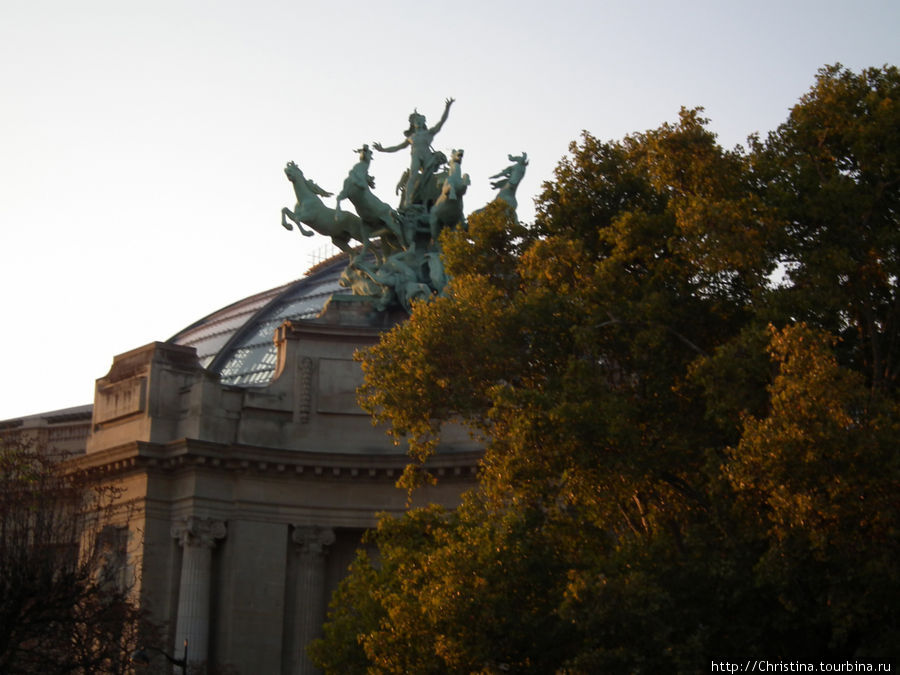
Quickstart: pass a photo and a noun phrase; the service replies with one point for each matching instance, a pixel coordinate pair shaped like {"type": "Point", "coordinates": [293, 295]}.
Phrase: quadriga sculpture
{"type": "Point", "coordinates": [405, 264]}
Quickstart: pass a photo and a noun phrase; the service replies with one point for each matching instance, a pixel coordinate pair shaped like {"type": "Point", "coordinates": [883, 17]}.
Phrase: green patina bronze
{"type": "Point", "coordinates": [510, 178]}
{"type": "Point", "coordinates": [406, 262]}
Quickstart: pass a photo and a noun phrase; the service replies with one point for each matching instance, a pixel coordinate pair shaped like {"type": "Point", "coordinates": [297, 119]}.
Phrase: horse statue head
{"type": "Point", "coordinates": [302, 184]}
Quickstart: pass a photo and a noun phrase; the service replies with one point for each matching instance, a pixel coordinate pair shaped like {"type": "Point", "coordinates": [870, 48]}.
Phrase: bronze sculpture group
{"type": "Point", "coordinates": [405, 262]}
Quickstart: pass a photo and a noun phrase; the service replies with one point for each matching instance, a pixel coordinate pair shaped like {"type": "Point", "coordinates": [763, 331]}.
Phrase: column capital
{"type": "Point", "coordinates": [193, 531]}
{"type": "Point", "coordinates": [313, 539]}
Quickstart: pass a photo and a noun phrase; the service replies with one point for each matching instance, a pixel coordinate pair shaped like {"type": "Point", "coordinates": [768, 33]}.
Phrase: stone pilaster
{"type": "Point", "coordinates": [312, 541]}
{"type": "Point", "coordinates": [197, 536]}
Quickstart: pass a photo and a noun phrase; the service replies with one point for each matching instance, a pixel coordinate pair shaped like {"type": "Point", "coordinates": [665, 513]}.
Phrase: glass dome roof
{"type": "Point", "coordinates": [237, 341]}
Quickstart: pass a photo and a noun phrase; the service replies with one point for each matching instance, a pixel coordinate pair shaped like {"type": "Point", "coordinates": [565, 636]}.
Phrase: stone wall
{"type": "Point", "coordinates": [249, 502]}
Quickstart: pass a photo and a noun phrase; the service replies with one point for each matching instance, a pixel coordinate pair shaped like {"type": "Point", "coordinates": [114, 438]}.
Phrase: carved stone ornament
{"type": "Point", "coordinates": [193, 531]}
{"type": "Point", "coordinates": [312, 539]}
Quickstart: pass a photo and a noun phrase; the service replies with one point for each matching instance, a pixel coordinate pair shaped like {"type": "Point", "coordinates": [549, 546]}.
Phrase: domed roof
{"type": "Point", "coordinates": [237, 341]}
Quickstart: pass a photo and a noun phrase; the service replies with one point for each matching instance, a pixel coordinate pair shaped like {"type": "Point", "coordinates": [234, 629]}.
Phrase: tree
{"type": "Point", "coordinates": [833, 171]}
{"type": "Point", "coordinates": [821, 469]}
{"type": "Point", "coordinates": [676, 468]}
{"type": "Point", "coordinates": [64, 592]}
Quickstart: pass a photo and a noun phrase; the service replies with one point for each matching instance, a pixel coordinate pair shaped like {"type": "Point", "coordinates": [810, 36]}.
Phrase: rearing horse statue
{"type": "Point", "coordinates": [448, 209]}
{"type": "Point", "coordinates": [510, 178]}
{"type": "Point", "coordinates": [373, 212]}
{"type": "Point", "coordinates": [341, 226]}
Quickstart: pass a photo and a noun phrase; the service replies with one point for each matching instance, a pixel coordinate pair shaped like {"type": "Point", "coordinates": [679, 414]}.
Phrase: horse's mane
{"type": "Point", "coordinates": [318, 190]}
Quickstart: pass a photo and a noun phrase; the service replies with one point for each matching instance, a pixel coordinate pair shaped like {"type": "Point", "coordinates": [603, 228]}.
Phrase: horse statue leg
{"type": "Point", "coordinates": [287, 213]}
{"type": "Point", "coordinates": [284, 223]}
{"type": "Point", "coordinates": [342, 241]}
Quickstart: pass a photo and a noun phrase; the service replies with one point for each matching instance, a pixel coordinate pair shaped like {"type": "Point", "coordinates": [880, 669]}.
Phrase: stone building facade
{"type": "Point", "coordinates": [250, 471]}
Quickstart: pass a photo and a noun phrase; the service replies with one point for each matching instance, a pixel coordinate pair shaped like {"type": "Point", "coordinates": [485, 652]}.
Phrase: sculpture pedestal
{"type": "Point", "coordinates": [358, 310]}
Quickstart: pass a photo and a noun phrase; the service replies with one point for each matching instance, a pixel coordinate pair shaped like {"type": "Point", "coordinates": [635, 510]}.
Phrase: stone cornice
{"type": "Point", "coordinates": [187, 454]}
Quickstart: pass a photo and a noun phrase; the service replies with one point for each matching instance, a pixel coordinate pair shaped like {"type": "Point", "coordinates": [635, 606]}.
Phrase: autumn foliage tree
{"type": "Point", "coordinates": [685, 375]}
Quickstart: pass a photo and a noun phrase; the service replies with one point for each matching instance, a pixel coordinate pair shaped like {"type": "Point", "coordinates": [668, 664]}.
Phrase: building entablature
{"type": "Point", "coordinates": [189, 453]}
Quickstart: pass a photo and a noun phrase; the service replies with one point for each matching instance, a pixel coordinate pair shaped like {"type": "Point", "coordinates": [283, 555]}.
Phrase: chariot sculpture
{"type": "Point", "coordinates": [397, 259]}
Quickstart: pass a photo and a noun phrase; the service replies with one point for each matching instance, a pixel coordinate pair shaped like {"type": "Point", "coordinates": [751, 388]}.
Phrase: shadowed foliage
{"type": "Point", "coordinates": [65, 585]}
{"type": "Point", "coordinates": [685, 373]}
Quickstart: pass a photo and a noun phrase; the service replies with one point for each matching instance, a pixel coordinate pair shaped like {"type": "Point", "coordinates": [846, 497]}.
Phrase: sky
{"type": "Point", "coordinates": [142, 145]}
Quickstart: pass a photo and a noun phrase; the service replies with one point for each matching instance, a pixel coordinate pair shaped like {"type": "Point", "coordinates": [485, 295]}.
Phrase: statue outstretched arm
{"type": "Point", "coordinates": [394, 148]}
{"type": "Point", "coordinates": [437, 127]}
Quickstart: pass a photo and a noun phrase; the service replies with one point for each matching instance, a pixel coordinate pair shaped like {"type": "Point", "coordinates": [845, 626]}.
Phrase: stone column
{"type": "Point", "coordinates": [197, 537]}
{"type": "Point", "coordinates": [310, 603]}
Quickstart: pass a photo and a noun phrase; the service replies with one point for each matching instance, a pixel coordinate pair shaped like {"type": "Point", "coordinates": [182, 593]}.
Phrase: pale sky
{"type": "Point", "coordinates": [142, 145]}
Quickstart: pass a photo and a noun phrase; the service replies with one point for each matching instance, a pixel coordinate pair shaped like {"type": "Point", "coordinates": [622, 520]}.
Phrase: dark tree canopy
{"type": "Point", "coordinates": [65, 590]}
{"type": "Point", "coordinates": [685, 373]}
